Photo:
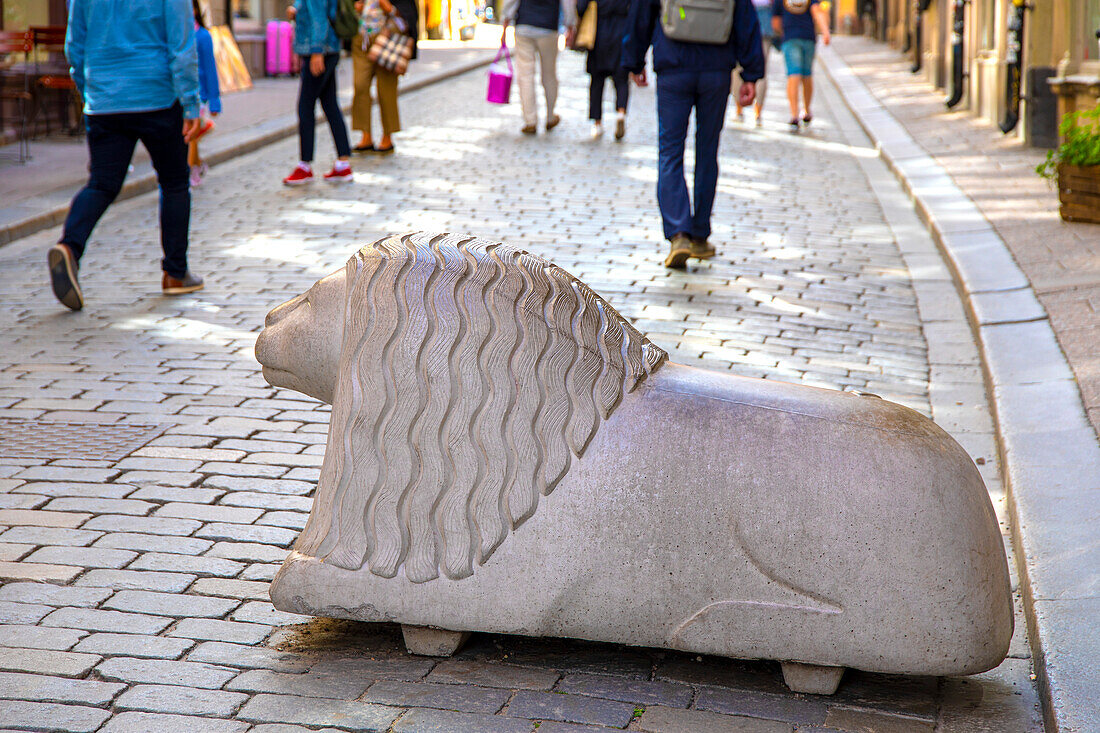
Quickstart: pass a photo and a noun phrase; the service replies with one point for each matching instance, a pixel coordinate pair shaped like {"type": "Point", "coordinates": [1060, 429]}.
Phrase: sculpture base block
{"type": "Point", "coordinates": [812, 678]}
{"type": "Point", "coordinates": [429, 642]}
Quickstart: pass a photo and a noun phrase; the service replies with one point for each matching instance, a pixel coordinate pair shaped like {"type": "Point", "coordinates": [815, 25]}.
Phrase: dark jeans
{"type": "Point", "coordinates": [322, 88]}
{"type": "Point", "coordinates": [111, 142]}
{"type": "Point", "coordinates": [677, 93]}
{"type": "Point", "coordinates": [621, 77]}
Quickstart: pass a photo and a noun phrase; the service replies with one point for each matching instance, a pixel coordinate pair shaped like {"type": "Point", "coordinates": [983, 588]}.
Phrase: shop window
{"type": "Point", "coordinates": [246, 14]}
{"type": "Point", "coordinates": [1092, 28]}
{"type": "Point", "coordinates": [17, 15]}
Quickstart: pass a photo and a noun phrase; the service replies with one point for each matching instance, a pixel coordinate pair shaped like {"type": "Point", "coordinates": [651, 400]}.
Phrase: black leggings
{"type": "Point", "coordinates": [321, 87]}
{"type": "Point", "coordinates": [621, 77]}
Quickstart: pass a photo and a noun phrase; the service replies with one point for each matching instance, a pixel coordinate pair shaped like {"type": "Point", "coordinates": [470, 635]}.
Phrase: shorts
{"type": "Point", "coordinates": [764, 15]}
{"type": "Point", "coordinates": [799, 55]}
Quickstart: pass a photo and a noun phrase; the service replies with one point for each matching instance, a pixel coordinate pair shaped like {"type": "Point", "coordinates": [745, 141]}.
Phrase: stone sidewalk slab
{"type": "Point", "coordinates": [1048, 448]}
{"type": "Point", "coordinates": [23, 715]}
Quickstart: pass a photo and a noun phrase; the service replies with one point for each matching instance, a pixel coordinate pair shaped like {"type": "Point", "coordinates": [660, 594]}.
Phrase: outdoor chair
{"type": "Point", "coordinates": [52, 76]}
{"type": "Point", "coordinates": [15, 87]}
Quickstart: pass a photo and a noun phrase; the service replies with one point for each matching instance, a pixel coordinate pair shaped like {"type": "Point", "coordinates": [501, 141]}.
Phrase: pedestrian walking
{"type": "Point", "coordinates": [138, 76]}
{"type": "Point", "coordinates": [536, 33]}
{"type": "Point", "coordinates": [316, 42]}
{"type": "Point", "coordinates": [605, 61]}
{"type": "Point", "coordinates": [690, 75]}
{"type": "Point", "coordinates": [209, 93]}
{"type": "Point", "coordinates": [767, 38]}
{"type": "Point", "coordinates": [373, 15]}
{"type": "Point", "coordinates": [794, 20]}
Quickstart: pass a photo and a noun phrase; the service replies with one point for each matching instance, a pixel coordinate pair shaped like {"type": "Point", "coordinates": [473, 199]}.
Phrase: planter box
{"type": "Point", "coordinates": [1079, 192]}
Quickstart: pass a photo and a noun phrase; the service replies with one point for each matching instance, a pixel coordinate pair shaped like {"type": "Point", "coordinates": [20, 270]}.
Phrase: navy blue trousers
{"type": "Point", "coordinates": [678, 92]}
{"type": "Point", "coordinates": [320, 88]}
{"type": "Point", "coordinates": [621, 79]}
{"type": "Point", "coordinates": [111, 142]}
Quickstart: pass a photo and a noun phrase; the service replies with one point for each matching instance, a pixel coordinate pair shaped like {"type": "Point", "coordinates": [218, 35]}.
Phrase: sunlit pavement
{"type": "Point", "coordinates": [156, 558]}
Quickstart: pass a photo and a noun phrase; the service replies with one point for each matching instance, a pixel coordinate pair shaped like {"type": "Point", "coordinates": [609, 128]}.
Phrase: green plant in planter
{"type": "Point", "coordinates": [1081, 146]}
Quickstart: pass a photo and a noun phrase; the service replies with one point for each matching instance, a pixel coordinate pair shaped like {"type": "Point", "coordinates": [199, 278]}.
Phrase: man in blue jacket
{"type": "Point", "coordinates": [691, 75]}
{"type": "Point", "coordinates": [135, 65]}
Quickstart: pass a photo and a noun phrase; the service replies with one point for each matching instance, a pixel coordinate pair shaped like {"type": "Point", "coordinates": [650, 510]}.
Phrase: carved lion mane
{"type": "Point", "coordinates": [470, 373]}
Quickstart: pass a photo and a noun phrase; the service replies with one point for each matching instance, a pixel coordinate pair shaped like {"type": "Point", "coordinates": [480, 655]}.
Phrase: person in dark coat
{"type": "Point", "coordinates": [604, 60]}
{"type": "Point", "coordinates": [410, 13]}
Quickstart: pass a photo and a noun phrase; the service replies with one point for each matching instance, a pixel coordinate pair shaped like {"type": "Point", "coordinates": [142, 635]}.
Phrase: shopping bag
{"type": "Point", "coordinates": [500, 78]}
{"type": "Point", "coordinates": [586, 31]}
{"type": "Point", "coordinates": [392, 48]}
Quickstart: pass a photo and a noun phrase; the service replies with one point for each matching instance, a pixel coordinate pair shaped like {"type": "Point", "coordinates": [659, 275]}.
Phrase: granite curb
{"type": "Point", "coordinates": [1048, 449]}
{"type": "Point", "coordinates": [55, 204]}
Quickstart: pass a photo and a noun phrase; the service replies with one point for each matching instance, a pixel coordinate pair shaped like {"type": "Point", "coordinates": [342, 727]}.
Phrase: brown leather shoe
{"type": "Point", "coordinates": [178, 286]}
{"type": "Point", "coordinates": [679, 251]}
{"type": "Point", "coordinates": [529, 129]}
{"type": "Point", "coordinates": [553, 122]}
{"type": "Point", "coordinates": [701, 249]}
{"type": "Point", "coordinates": [63, 280]}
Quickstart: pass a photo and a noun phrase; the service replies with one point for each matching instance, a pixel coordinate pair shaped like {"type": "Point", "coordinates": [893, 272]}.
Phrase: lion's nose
{"type": "Point", "coordinates": [261, 348]}
{"type": "Point", "coordinates": [279, 312]}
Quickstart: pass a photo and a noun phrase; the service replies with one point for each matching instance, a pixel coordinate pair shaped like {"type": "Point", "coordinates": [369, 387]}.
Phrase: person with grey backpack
{"type": "Point", "coordinates": [696, 45]}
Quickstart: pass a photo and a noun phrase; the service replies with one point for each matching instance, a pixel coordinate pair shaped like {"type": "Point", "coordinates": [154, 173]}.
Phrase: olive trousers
{"type": "Point", "coordinates": [365, 71]}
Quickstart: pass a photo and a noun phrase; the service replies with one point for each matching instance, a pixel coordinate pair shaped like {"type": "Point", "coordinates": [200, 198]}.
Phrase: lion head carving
{"type": "Point", "coordinates": [464, 376]}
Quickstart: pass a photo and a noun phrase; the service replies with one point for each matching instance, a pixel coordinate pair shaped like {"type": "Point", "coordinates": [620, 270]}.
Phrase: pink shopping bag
{"type": "Point", "coordinates": [500, 78]}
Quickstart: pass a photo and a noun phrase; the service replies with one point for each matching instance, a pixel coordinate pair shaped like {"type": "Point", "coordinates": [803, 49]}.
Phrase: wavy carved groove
{"type": "Point", "coordinates": [471, 374]}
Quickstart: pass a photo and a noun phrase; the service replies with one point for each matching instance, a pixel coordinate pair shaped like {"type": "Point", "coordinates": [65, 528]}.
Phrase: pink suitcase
{"type": "Point", "coordinates": [279, 54]}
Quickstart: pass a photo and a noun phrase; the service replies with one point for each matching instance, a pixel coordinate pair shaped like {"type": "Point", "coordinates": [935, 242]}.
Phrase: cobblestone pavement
{"type": "Point", "coordinates": [151, 482]}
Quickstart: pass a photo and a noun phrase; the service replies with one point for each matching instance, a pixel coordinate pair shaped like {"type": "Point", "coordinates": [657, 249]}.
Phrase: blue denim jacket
{"type": "Point", "coordinates": [133, 55]}
{"type": "Point", "coordinates": [313, 31]}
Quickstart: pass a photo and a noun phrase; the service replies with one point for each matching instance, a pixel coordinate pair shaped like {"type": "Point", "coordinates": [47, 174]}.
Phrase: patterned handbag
{"type": "Point", "coordinates": [392, 47]}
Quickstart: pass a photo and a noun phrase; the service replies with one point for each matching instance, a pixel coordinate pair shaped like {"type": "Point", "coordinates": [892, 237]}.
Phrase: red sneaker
{"type": "Point", "coordinates": [335, 176]}
{"type": "Point", "coordinates": [299, 176]}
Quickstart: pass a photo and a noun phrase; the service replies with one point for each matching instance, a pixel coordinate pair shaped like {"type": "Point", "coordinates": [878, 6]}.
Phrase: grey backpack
{"type": "Point", "coordinates": [697, 21]}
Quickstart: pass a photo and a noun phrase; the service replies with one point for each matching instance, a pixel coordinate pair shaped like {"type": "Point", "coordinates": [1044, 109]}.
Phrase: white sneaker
{"type": "Point", "coordinates": [597, 131]}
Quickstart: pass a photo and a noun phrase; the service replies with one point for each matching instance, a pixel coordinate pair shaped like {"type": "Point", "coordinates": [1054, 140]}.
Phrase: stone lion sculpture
{"type": "Point", "coordinates": [508, 454]}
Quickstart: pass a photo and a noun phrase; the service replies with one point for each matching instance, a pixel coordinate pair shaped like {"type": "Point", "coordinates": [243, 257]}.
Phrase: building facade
{"type": "Point", "coordinates": [18, 15]}
{"type": "Point", "coordinates": [1018, 63]}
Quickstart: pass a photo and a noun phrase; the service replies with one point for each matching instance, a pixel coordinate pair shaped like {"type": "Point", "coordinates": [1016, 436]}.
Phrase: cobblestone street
{"type": "Point", "coordinates": [151, 482]}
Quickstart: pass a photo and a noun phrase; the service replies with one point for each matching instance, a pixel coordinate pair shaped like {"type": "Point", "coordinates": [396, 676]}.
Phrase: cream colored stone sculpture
{"type": "Point", "coordinates": [508, 454]}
